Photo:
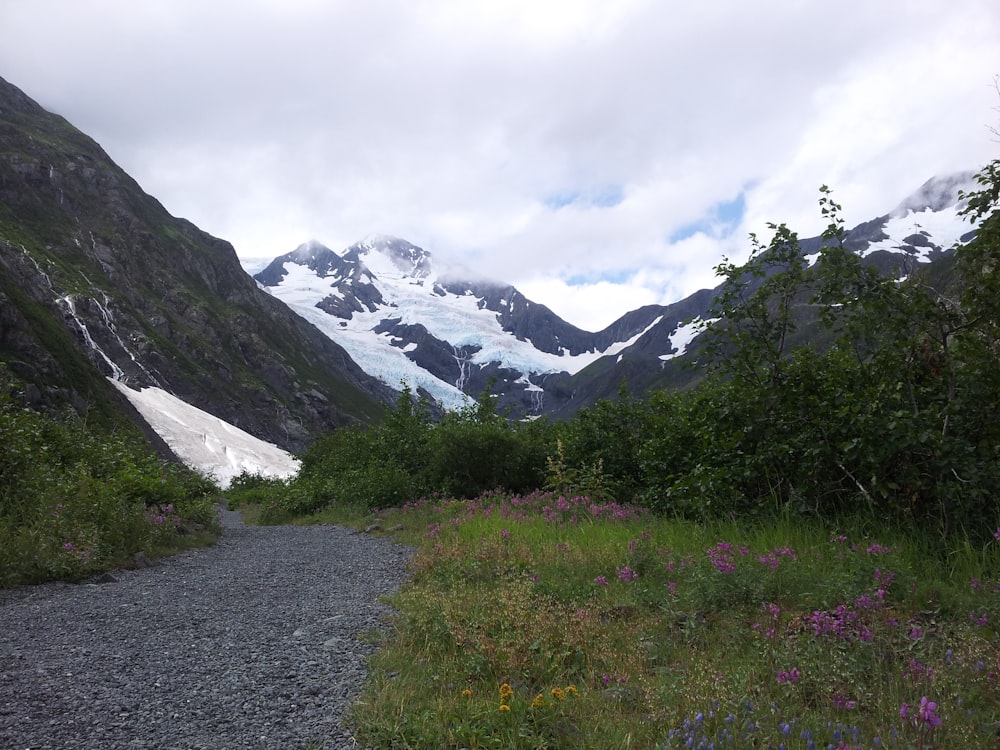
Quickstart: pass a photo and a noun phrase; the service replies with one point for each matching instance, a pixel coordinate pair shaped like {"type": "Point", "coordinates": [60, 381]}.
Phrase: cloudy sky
{"type": "Point", "coordinates": [599, 154]}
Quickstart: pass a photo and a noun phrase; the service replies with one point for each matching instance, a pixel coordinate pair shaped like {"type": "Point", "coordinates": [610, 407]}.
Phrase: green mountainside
{"type": "Point", "coordinates": [97, 279]}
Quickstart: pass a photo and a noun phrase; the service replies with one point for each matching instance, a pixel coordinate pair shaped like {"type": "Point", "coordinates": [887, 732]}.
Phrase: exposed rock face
{"type": "Point", "coordinates": [97, 279]}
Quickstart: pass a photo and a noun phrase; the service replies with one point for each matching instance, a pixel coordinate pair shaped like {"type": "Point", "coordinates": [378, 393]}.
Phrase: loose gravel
{"type": "Point", "coordinates": [257, 642]}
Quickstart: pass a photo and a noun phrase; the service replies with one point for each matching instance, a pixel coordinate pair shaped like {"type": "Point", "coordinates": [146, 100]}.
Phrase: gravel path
{"type": "Point", "coordinates": [252, 643]}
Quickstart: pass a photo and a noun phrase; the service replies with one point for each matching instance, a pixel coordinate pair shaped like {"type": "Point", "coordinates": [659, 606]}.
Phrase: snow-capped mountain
{"type": "Point", "coordinates": [405, 321]}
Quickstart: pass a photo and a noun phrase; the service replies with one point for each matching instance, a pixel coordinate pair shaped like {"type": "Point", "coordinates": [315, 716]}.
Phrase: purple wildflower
{"type": "Point", "coordinates": [625, 573]}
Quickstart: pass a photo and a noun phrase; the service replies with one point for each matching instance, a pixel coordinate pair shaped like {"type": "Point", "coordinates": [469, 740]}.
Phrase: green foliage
{"type": "Point", "coordinates": [887, 419]}
{"type": "Point", "coordinates": [74, 502]}
{"type": "Point", "coordinates": [407, 456]}
{"type": "Point", "coordinates": [600, 448]}
{"type": "Point", "coordinates": [885, 413]}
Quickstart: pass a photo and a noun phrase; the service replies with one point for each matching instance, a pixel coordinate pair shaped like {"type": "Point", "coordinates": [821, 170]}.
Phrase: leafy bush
{"type": "Point", "coordinates": [73, 503]}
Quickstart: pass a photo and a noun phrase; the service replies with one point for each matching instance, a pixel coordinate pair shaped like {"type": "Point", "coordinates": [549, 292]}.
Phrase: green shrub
{"type": "Point", "coordinates": [73, 502]}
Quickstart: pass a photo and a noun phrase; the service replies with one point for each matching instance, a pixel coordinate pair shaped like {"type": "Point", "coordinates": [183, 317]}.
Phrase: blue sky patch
{"type": "Point", "coordinates": [619, 276]}
{"type": "Point", "coordinates": [722, 219]}
{"type": "Point", "coordinates": [607, 196]}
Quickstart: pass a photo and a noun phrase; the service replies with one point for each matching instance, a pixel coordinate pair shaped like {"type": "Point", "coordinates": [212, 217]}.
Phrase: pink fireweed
{"type": "Point", "coordinates": [625, 573]}
{"type": "Point", "coordinates": [789, 677]}
{"type": "Point", "coordinates": [980, 619]}
{"type": "Point", "coordinates": [844, 703]}
{"type": "Point", "coordinates": [925, 713]}
{"type": "Point", "coordinates": [721, 557]}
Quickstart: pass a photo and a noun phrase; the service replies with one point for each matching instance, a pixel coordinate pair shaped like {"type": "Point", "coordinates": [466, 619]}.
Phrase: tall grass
{"type": "Point", "coordinates": [553, 622]}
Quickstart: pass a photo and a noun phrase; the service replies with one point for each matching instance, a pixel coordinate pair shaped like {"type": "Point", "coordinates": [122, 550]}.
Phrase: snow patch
{"type": "Point", "coordinates": [206, 443]}
{"type": "Point", "coordinates": [943, 228]}
{"type": "Point", "coordinates": [684, 335]}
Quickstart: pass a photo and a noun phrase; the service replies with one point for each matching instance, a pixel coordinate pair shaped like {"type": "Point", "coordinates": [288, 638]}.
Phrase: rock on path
{"type": "Point", "coordinates": [252, 643]}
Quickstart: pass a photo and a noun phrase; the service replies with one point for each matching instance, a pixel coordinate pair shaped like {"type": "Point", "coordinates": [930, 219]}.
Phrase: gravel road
{"type": "Point", "coordinates": [252, 643]}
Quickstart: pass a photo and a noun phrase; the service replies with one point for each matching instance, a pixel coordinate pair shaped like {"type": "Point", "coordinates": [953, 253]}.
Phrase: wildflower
{"type": "Point", "coordinates": [996, 534]}
{"type": "Point", "coordinates": [506, 691]}
{"type": "Point", "coordinates": [625, 573]}
{"type": "Point", "coordinates": [864, 602]}
{"type": "Point", "coordinates": [927, 714]}
{"type": "Point", "coordinates": [571, 690]}
{"type": "Point", "coordinates": [467, 693]}
{"type": "Point", "coordinates": [538, 701]}
{"type": "Point", "coordinates": [504, 707]}
{"type": "Point", "coordinates": [790, 677]}
{"type": "Point", "coordinates": [601, 581]}
{"type": "Point", "coordinates": [885, 578]}
{"type": "Point", "coordinates": [981, 620]}
{"type": "Point", "coordinates": [558, 693]}
{"type": "Point", "coordinates": [504, 533]}
{"type": "Point", "coordinates": [68, 546]}
{"type": "Point", "coordinates": [721, 557]}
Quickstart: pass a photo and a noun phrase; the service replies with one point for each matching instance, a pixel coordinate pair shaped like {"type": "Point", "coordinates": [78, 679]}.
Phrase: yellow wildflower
{"type": "Point", "coordinates": [504, 707]}
{"type": "Point", "coordinates": [467, 693]}
{"type": "Point", "coordinates": [571, 690]}
{"type": "Point", "coordinates": [538, 702]}
{"type": "Point", "coordinates": [505, 691]}
{"type": "Point", "coordinates": [558, 693]}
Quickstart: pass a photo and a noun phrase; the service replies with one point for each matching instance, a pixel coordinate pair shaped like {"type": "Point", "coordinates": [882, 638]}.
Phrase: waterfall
{"type": "Point", "coordinates": [537, 400]}
{"type": "Point", "coordinates": [69, 304]}
{"type": "Point", "coordinates": [462, 360]}
{"type": "Point", "coordinates": [110, 323]}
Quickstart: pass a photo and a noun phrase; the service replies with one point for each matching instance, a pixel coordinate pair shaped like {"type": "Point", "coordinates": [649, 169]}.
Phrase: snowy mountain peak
{"type": "Point", "coordinates": [405, 257]}
{"type": "Point", "coordinates": [937, 194]}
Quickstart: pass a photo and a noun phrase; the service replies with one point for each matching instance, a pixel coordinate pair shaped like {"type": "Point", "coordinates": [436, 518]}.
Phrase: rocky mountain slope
{"type": "Point", "coordinates": [98, 280]}
{"type": "Point", "coordinates": [405, 321]}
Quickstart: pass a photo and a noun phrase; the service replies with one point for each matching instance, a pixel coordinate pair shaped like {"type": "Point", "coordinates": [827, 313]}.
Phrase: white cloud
{"type": "Point", "coordinates": [463, 126]}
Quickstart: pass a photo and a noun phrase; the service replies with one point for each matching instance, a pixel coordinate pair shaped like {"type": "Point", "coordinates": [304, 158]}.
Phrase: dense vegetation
{"type": "Point", "coordinates": [882, 411]}
{"type": "Point", "coordinates": [802, 551]}
{"type": "Point", "coordinates": [75, 500]}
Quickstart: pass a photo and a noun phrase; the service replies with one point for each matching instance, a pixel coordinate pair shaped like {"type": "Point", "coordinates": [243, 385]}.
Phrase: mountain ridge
{"type": "Point", "coordinates": [644, 347]}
